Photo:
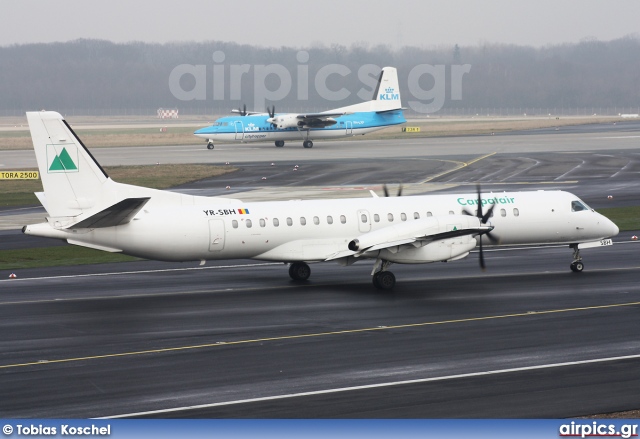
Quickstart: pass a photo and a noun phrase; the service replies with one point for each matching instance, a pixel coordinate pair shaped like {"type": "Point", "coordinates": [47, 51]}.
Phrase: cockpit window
{"type": "Point", "coordinates": [577, 206]}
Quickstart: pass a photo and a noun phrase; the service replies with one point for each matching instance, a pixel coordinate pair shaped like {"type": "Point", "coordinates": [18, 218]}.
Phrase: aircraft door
{"type": "Point", "coordinates": [349, 126]}
{"type": "Point", "coordinates": [239, 130]}
{"type": "Point", "coordinates": [364, 221]}
{"type": "Point", "coordinates": [216, 235]}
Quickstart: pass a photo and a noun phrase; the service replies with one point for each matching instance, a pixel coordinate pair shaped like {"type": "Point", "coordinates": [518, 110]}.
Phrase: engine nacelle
{"type": "Point", "coordinates": [389, 240]}
{"type": "Point", "coordinates": [436, 251]}
{"type": "Point", "coordinates": [285, 121]}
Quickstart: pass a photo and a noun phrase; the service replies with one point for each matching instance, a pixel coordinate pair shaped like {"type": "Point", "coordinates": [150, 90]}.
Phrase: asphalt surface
{"type": "Point", "coordinates": [525, 338]}
{"type": "Point", "coordinates": [127, 339]}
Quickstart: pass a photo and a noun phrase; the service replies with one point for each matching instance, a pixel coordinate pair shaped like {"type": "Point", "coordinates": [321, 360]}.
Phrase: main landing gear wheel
{"type": "Point", "coordinates": [384, 280]}
{"type": "Point", "coordinates": [210, 145]}
{"type": "Point", "coordinates": [299, 271]}
{"type": "Point", "coordinates": [307, 144]}
{"type": "Point", "coordinates": [577, 266]}
{"type": "Point", "coordinates": [279, 143]}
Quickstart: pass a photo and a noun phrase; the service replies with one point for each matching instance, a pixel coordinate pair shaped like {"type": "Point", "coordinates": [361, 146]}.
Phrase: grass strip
{"type": "Point", "coordinates": [626, 218]}
{"type": "Point", "coordinates": [20, 192]}
{"type": "Point", "coordinates": [57, 256]}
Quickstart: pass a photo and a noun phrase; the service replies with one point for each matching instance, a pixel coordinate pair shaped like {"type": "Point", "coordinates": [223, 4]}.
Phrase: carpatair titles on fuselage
{"type": "Point", "coordinates": [494, 200]}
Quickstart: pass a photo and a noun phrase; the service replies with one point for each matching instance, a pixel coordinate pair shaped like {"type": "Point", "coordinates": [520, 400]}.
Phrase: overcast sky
{"type": "Point", "coordinates": [301, 24]}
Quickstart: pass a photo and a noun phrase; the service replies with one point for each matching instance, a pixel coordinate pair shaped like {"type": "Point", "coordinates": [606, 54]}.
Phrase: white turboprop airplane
{"type": "Point", "coordinates": [87, 208]}
{"type": "Point", "coordinates": [384, 110]}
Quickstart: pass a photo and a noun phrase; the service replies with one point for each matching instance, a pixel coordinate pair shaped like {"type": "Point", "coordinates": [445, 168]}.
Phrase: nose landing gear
{"type": "Point", "coordinates": [577, 265]}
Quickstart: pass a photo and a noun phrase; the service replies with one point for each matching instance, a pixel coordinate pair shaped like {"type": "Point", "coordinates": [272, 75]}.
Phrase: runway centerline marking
{"type": "Point", "coordinates": [317, 334]}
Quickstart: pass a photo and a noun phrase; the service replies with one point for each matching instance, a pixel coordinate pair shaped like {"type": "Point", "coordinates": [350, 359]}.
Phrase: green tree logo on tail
{"type": "Point", "coordinates": [61, 162]}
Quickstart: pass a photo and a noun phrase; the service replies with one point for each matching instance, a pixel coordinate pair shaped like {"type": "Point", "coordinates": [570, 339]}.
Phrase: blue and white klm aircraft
{"type": "Point", "coordinates": [86, 208]}
{"type": "Point", "coordinates": [383, 111]}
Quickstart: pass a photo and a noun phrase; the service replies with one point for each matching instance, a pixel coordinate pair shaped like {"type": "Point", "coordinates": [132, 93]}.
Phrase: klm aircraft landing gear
{"type": "Point", "coordinates": [279, 143]}
{"type": "Point", "coordinates": [306, 143]}
{"type": "Point", "coordinates": [576, 266]}
{"type": "Point", "coordinates": [299, 271]}
{"type": "Point", "coordinates": [209, 144]}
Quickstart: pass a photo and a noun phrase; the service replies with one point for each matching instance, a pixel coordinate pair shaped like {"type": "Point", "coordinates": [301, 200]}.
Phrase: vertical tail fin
{"type": "Point", "coordinates": [387, 94]}
{"type": "Point", "coordinates": [73, 181]}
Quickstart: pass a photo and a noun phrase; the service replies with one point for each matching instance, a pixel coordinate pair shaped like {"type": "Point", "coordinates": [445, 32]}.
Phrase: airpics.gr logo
{"type": "Point", "coordinates": [62, 158]}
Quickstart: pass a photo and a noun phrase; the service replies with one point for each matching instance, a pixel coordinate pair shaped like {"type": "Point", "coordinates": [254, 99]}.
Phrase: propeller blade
{"type": "Point", "coordinates": [479, 201]}
{"type": "Point", "coordinates": [481, 255]}
{"type": "Point", "coordinates": [487, 215]}
{"type": "Point", "coordinates": [399, 191]}
{"type": "Point", "coordinates": [466, 212]}
{"type": "Point", "coordinates": [385, 189]}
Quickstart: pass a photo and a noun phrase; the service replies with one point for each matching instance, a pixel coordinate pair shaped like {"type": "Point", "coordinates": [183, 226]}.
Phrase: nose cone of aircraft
{"type": "Point", "coordinates": [203, 132]}
{"type": "Point", "coordinates": [614, 229]}
{"type": "Point", "coordinates": [608, 227]}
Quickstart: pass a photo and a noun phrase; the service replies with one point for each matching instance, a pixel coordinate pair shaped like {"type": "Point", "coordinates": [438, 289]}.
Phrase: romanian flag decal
{"type": "Point", "coordinates": [243, 211]}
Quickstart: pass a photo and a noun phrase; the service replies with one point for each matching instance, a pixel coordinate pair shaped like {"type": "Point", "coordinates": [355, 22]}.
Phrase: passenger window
{"type": "Point", "coordinates": [451, 212]}
{"type": "Point", "coordinates": [329, 219]}
{"type": "Point", "coordinates": [316, 220]}
{"type": "Point", "coordinates": [303, 221]}
{"type": "Point", "coordinates": [262, 222]}
{"type": "Point", "coordinates": [429, 214]}
{"type": "Point", "coordinates": [248, 223]}
{"type": "Point", "coordinates": [276, 222]}
{"type": "Point", "coordinates": [516, 212]}
{"type": "Point", "coordinates": [416, 215]}
{"type": "Point", "coordinates": [390, 217]}
{"type": "Point", "coordinates": [503, 212]}
{"type": "Point", "coordinates": [403, 216]}
{"type": "Point", "coordinates": [234, 223]}
{"type": "Point", "coordinates": [363, 218]}
{"type": "Point", "coordinates": [376, 218]}
{"type": "Point", "coordinates": [343, 219]}
{"type": "Point", "coordinates": [289, 222]}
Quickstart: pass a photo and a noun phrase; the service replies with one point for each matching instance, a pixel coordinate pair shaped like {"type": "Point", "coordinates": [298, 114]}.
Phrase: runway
{"type": "Point", "coordinates": [525, 338]}
{"type": "Point", "coordinates": [139, 340]}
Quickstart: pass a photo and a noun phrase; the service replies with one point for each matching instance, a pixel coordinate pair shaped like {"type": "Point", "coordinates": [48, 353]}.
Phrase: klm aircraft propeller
{"type": "Point", "coordinates": [272, 113]}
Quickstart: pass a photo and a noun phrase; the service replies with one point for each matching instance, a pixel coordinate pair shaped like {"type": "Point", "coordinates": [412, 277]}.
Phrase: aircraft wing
{"type": "Point", "coordinates": [394, 236]}
{"type": "Point", "coordinates": [247, 113]}
{"type": "Point", "coordinates": [320, 116]}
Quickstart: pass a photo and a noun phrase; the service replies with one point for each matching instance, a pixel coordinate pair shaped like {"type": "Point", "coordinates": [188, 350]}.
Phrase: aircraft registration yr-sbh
{"type": "Point", "coordinates": [87, 208]}
{"type": "Point", "coordinates": [384, 110]}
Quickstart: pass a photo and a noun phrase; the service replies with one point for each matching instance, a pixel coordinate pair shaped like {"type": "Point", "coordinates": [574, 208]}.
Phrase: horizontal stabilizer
{"type": "Point", "coordinates": [94, 246]}
{"type": "Point", "coordinates": [116, 215]}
